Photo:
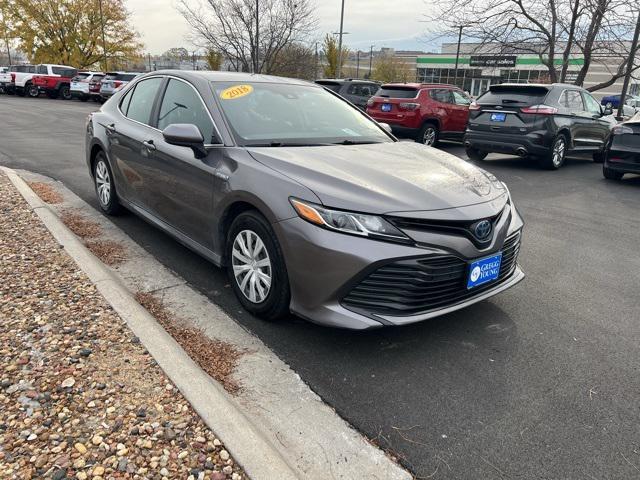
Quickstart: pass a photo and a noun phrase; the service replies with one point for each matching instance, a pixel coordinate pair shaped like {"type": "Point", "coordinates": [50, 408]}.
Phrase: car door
{"type": "Point", "coordinates": [126, 136]}
{"type": "Point", "coordinates": [460, 110]}
{"type": "Point", "coordinates": [183, 185]}
{"type": "Point", "coordinates": [599, 127]}
{"type": "Point", "coordinates": [574, 115]}
{"type": "Point", "coordinates": [441, 104]}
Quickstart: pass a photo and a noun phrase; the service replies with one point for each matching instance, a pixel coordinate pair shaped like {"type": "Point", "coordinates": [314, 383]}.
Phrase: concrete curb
{"type": "Point", "coordinates": [257, 456]}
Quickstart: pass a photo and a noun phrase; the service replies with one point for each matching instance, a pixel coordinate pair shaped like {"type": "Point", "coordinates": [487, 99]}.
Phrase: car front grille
{"type": "Point", "coordinates": [410, 287]}
{"type": "Point", "coordinates": [451, 227]}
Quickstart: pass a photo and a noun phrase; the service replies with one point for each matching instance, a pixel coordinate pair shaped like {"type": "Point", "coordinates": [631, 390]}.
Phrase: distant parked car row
{"type": "Point", "coordinates": [61, 81]}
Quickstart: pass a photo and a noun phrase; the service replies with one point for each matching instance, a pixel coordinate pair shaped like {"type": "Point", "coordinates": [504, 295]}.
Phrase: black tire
{"type": "Point", "coordinates": [275, 303]}
{"type": "Point", "coordinates": [598, 157]}
{"type": "Point", "coordinates": [475, 154]}
{"type": "Point", "coordinates": [65, 92]}
{"type": "Point", "coordinates": [611, 174]}
{"type": "Point", "coordinates": [429, 134]}
{"type": "Point", "coordinates": [554, 158]}
{"type": "Point", "coordinates": [31, 90]}
{"type": "Point", "coordinates": [108, 203]}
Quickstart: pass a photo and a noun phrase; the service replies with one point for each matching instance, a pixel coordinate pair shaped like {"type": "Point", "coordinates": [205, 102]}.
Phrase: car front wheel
{"type": "Point", "coordinates": [105, 187]}
{"type": "Point", "coordinates": [256, 267]}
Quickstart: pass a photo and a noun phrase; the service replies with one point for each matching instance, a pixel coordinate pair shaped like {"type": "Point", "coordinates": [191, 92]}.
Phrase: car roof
{"type": "Point", "coordinates": [419, 85]}
{"type": "Point", "coordinates": [346, 80]}
{"type": "Point", "coordinates": [214, 76]}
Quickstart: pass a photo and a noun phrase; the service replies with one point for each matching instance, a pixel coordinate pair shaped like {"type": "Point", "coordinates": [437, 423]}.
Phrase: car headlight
{"type": "Point", "coordinates": [347, 222]}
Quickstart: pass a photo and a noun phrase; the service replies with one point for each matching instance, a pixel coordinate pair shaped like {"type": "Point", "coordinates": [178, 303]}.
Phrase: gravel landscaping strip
{"type": "Point", "coordinates": [79, 395]}
{"type": "Point", "coordinates": [46, 192]}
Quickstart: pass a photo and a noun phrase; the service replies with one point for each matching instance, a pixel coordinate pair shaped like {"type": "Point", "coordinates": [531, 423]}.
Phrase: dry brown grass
{"type": "Point", "coordinates": [111, 253]}
{"type": "Point", "coordinates": [79, 225]}
{"type": "Point", "coordinates": [46, 192]}
{"type": "Point", "coordinates": [218, 359]}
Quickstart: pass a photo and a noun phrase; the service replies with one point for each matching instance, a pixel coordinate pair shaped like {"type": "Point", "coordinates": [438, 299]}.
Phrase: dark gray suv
{"type": "Point", "coordinates": [542, 121]}
{"type": "Point", "coordinates": [311, 206]}
{"type": "Point", "coordinates": [356, 91]}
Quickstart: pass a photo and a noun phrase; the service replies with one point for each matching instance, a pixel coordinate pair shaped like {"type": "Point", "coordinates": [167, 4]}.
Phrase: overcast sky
{"type": "Point", "coordinates": [381, 22]}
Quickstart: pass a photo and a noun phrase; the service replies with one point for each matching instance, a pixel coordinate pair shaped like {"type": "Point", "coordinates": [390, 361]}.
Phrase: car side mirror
{"type": "Point", "coordinates": [607, 111]}
{"type": "Point", "coordinates": [386, 127]}
{"type": "Point", "coordinates": [185, 135]}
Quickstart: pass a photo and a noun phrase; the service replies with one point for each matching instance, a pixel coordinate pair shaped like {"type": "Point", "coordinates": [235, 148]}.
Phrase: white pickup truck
{"type": "Point", "coordinates": [5, 78]}
{"type": "Point", "coordinates": [17, 75]}
{"type": "Point", "coordinates": [22, 76]}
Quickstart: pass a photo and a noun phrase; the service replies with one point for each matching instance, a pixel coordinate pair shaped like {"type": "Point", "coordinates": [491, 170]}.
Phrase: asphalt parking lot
{"type": "Point", "coordinates": [540, 382]}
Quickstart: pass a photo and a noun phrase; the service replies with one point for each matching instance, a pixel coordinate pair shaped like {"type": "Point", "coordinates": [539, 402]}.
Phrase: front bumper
{"type": "Point", "coordinates": [324, 266]}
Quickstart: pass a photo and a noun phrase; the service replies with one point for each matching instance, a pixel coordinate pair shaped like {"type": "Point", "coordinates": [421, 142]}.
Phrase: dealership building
{"type": "Point", "coordinates": [479, 66]}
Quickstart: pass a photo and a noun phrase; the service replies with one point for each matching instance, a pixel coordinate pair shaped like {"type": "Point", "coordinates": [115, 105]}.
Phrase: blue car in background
{"type": "Point", "coordinates": [613, 101]}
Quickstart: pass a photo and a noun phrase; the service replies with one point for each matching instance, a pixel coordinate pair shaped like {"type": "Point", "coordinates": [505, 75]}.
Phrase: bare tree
{"type": "Point", "coordinates": [554, 30]}
{"type": "Point", "coordinates": [229, 27]}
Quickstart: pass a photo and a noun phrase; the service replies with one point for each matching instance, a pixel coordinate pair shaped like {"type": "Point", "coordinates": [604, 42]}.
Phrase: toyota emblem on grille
{"type": "Point", "coordinates": [482, 229]}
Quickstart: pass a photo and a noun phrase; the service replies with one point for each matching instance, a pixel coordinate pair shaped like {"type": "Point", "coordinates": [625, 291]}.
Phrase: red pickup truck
{"type": "Point", "coordinates": [55, 81]}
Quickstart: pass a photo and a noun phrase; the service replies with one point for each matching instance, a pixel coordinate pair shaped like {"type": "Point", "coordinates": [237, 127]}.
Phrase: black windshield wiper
{"type": "Point", "coordinates": [354, 142]}
{"type": "Point", "coordinates": [284, 144]}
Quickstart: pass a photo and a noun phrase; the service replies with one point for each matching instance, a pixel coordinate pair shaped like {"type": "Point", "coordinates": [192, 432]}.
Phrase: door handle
{"type": "Point", "coordinates": [149, 145]}
{"type": "Point", "coordinates": [111, 128]}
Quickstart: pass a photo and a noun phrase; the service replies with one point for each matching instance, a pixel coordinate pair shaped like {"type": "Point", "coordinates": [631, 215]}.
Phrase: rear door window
{"type": "Point", "coordinates": [64, 72]}
{"type": "Point", "coordinates": [42, 70]}
{"type": "Point", "coordinates": [441, 95]}
{"type": "Point", "coordinates": [361, 90]}
{"type": "Point", "coordinates": [572, 100]}
{"type": "Point", "coordinates": [397, 92]}
{"type": "Point", "coordinates": [142, 98]}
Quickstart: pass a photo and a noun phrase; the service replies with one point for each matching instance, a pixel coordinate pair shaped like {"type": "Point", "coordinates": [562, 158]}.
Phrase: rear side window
{"type": "Point", "coordinates": [441, 95]}
{"type": "Point", "coordinates": [97, 78]}
{"type": "Point", "coordinates": [397, 92]}
{"type": "Point", "coordinates": [142, 98]}
{"type": "Point", "coordinates": [460, 98]}
{"type": "Point", "coordinates": [42, 70]}
{"type": "Point", "coordinates": [80, 77]}
{"type": "Point", "coordinates": [518, 95]}
{"type": "Point", "coordinates": [572, 100]}
{"type": "Point", "coordinates": [126, 77]}
{"type": "Point", "coordinates": [182, 104]}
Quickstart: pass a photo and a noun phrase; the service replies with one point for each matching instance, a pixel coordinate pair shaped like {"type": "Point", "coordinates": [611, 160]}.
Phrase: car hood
{"type": "Point", "coordinates": [385, 177]}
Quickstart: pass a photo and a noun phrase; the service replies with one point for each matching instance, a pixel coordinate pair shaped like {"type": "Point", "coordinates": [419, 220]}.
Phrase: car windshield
{"type": "Point", "coordinates": [274, 114]}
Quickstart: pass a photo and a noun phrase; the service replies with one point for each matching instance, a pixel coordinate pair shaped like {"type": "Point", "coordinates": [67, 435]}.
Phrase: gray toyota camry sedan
{"type": "Point", "coordinates": [311, 206]}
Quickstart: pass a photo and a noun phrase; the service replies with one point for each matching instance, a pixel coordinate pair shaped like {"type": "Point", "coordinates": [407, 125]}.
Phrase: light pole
{"type": "Point", "coordinates": [627, 75]}
{"type": "Point", "coordinates": [339, 71]}
{"type": "Point", "coordinates": [104, 44]}
{"type": "Point", "coordinates": [358, 64]}
{"type": "Point", "coordinates": [255, 61]}
{"type": "Point", "coordinates": [455, 71]}
{"type": "Point", "coordinates": [370, 60]}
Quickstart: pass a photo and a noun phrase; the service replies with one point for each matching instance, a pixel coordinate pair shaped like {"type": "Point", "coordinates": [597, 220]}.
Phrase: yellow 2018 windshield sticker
{"type": "Point", "coordinates": [236, 91]}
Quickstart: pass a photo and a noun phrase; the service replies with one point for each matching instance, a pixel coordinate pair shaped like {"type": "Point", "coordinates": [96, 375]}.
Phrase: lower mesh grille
{"type": "Point", "coordinates": [409, 287]}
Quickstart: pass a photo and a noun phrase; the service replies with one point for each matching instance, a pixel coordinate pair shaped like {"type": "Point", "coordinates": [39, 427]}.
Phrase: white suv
{"type": "Point", "coordinates": [86, 85]}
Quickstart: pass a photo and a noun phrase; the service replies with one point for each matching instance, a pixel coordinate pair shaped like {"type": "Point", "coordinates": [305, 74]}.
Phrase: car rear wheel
{"type": "Point", "coordinates": [475, 154]}
{"type": "Point", "coordinates": [429, 134]}
{"type": "Point", "coordinates": [612, 174]}
{"type": "Point", "coordinates": [105, 186]}
{"type": "Point", "coordinates": [256, 267]}
{"type": "Point", "coordinates": [554, 159]}
{"type": "Point", "coordinates": [32, 90]}
{"type": "Point", "coordinates": [65, 92]}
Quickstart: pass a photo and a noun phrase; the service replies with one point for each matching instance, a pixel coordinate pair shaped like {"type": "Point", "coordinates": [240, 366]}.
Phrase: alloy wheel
{"type": "Point", "coordinates": [429, 136]}
{"type": "Point", "coordinates": [558, 151]}
{"type": "Point", "coordinates": [103, 183]}
{"type": "Point", "coordinates": [251, 266]}
{"type": "Point", "coordinates": [33, 91]}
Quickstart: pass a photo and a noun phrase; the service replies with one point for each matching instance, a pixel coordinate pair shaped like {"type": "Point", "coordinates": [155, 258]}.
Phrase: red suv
{"type": "Point", "coordinates": [425, 112]}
